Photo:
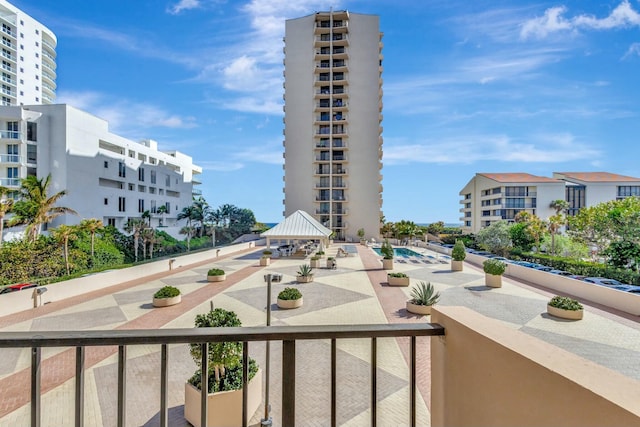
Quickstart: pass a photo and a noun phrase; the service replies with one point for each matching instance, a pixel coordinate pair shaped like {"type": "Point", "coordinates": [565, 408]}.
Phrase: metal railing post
{"type": "Point", "coordinates": [288, 383]}
{"type": "Point", "coordinates": [79, 406]}
{"type": "Point", "coordinates": [36, 359]}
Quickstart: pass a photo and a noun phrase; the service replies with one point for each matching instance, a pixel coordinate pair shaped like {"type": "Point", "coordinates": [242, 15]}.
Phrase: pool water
{"type": "Point", "coordinates": [400, 252]}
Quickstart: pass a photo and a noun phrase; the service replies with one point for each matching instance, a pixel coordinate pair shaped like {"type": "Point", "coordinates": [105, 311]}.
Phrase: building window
{"type": "Point", "coordinates": [140, 205]}
{"type": "Point", "coordinates": [153, 177]}
{"type": "Point", "coordinates": [628, 190]}
{"type": "Point", "coordinates": [141, 174]}
{"type": "Point", "coordinates": [106, 201]}
{"type": "Point", "coordinates": [122, 170]}
{"type": "Point", "coordinates": [132, 187]}
{"type": "Point", "coordinates": [111, 222]}
{"type": "Point", "coordinates": [106, 164]}
{"type": "Point", "coordinates": [121, 204]}
{"type": "Point", "coordinates": [132, 154]}
{"type": "Point", "coordinates": [168, 207]}
{"type": "Point", "coordinates": [12, 153]}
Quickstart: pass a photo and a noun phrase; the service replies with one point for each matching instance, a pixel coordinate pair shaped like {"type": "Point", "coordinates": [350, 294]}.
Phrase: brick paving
{"type": "Point", "coordinates": [356, 292]}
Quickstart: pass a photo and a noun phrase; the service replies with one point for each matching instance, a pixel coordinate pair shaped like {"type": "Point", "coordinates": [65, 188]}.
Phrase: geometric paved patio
{"type": "Point", "coordinates": [354, 293]}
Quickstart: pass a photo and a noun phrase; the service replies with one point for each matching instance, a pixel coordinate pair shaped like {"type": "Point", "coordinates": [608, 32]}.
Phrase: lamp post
{"type": "Point", "coordinates": [266, 421]}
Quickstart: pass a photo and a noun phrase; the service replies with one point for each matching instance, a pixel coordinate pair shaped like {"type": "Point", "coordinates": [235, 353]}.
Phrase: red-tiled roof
{"type": "Point", "coordinates": [517, 177]}
{"type": "Point", "coordinates": [598, 177]}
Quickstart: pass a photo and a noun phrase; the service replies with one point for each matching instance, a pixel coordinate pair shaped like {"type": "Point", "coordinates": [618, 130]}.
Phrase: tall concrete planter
{"type": "Point", "coordinates": [224, 408]}
{"type": "Point", "coordinates": [493, 280]}
{"type": "Point", "coordinates": [456, 265]}
{"type": "Point", "coordinates": [264, 261]}
{"type": "Point", "coordinates": [387, 264]}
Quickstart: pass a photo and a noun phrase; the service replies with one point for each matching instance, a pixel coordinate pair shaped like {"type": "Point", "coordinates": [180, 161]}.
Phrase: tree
{"type": "Point", "coordinates": [147, 216]}
{"type": "Point", "coordinates": [35, 207]}
{"type": "Point", "coordinates": [135, 227]}
{"type": "Point", "coordinates": [560, 206]}
{"type": "Point", "coordinates": [63, 234]}
{"type": "Point", "coordinates": [536, 229]}
{"type": "Point", "coordinates": [92, 226]}
{"type": "Point", "coordinates": [147, 235]}
{"type": "Point", "coordinates": [495, 238]}
{"type": "Point", "coordinates": [520, 237]}
{"type": "Point", "coordinates": [162, 210]}
{"type": "Point", "coordinates": [188, 231]}
{"type": "Point", "coordinates": [200, 207]}
{"type": "Point", "coordinates": [555, 224]}
{"type": "Point", "coordinates": [6, 206]}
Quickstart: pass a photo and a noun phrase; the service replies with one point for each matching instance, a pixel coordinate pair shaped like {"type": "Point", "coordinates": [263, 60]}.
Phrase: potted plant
{"type": "Point", "coordinates": [331, 262]}
{"type": "Point", "coordinates": [423, 296]}
{"type": "Point", "coordinates": [361, 236]}
{"type": "Point", "coordinates": [216, 275]}
{"type": "Point", "coordinates": [290, 298]}
{"type": "Point", "coordinates": [397, 279]}
{"type": "Point", "coordinates": [320, 254]}
{"type": "Point", "coordinates": [387, 252]}
{"type": "Point", "coordinates": [315, 261]}
{"type": "Point", "coordinates": [494, 269]}
{"type": "Point", "coordinates": [565, 308]}
{"type": "Point", "coordinates": [458, 254]}
{"type": "Point", "coordinates": [305, 274]}
{"type": "Point", "coordinates": [265, 259]}
{"type": "Point", "coordinates": [166, 296]}
{"type": "Point", "coordinates": [224, 401]}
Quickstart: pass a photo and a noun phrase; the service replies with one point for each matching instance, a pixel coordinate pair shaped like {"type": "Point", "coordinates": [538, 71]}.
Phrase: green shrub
{"type": "Point", "coordinates": [289, 294]}
{"type": "Point", "coordinates": [397, 275]}
{"type": "Point", "coordinates": [267, 252]}
{"type": "Point", "coordinates": [320, 253]}
{"type": "Point", "coordinates": [565, 303]}
{"type": "Point", "coordinates": [315, 258]}
{"type": "Point", "coordinates": [215, 272]}
{"type": "Point", "coordinates": [167, 292]}
{"type": "Point", "coordinates": [458, 253]}
{"type": "Point", "coordinates": [305, 270]}
{"type": "Point", "coordinates": [424, 294]}
{"type": "Point", "coordinates": [225, 358]}
{"type": "Point", "coordinates": [386, 250]}
{"type": "Point", "coordinates": [494, 266]}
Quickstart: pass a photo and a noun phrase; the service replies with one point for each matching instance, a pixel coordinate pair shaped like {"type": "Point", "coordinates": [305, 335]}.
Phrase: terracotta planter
{"type": "Point", "coordinates": [304, 279]}
{"type": "Point", "coordinates": [398, 281]}
{"type": "Point", "coordinates": [565, 314]}
{"type": "Point", "coordinates": [387, 264]}
{"type": "Point", "coordinates": [289, 303]}
{"type": "Point", "coordinates": [224, 409]}
{"type": "Point", "coordinates": [493, 280]}
{"type": "Point", "coordinates": [265, 261]}
{"type": "Point", "coordinates": [219, 278]}
{"type": "Point", "coordinates": [418, 309]}
{"type": "Point", "coordinates": [166, 302]}
{"type": "Point", "coordinates": [456, 265]}
{"type": "Point", "coordinates": [315, 263]}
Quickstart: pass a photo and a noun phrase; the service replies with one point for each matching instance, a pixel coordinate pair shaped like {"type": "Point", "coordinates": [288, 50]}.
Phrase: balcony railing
{"type": "Point", "coordinates": [10, 182]}
{"type": "Point", "coordinates": [288, 335]}
{"type": "Point", "coordinates": [9, 134]}
{"type": "Point", "coordinates": [11, 158]}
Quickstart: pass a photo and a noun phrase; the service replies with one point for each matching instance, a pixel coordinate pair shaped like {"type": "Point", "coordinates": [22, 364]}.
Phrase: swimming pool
{"type": "Point", "coordinates": [401, 252]}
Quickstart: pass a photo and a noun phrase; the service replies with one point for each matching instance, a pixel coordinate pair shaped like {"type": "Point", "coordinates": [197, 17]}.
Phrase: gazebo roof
{"type": "Point", "coordinates": [298, 225]}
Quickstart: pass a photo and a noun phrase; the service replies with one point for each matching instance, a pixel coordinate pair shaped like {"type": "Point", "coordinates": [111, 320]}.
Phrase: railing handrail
{"type": "Point", "coordinates": [92, 338]}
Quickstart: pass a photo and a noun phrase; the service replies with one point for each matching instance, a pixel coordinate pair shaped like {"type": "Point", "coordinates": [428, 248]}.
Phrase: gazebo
{"type": "Point", "coordinates": [298, 226]}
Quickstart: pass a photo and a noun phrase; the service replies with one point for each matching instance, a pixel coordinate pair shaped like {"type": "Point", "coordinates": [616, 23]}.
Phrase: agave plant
{"type": "Point", "coordinates": [305, 270]}
{"type": "Point", "coordinates": [424, 294]}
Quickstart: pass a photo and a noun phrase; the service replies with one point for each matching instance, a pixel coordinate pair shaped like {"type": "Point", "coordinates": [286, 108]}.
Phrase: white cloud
{"type": "Point", "coordinates": [123, 114]}
{"type": "Point", "coordinates": [633, 50]}
{"type": "Point", "coordinates": [220, 166]}
{"type": "Point", "coordinates": [183, 5]}
{"type": "Point", "coordinates": [477, 148]}
{"type": "Point", "coordinates": [553, 21]}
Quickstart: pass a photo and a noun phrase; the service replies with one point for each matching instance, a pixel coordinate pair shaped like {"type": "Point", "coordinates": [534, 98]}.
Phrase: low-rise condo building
{"type": "Point", "coordinates": [491, 197]}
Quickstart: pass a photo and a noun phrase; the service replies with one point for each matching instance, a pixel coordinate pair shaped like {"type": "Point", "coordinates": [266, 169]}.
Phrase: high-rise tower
{"type": "Point", "coordinates": [28, 59]}
{"type": "Point", "coordinates": [333, 115]}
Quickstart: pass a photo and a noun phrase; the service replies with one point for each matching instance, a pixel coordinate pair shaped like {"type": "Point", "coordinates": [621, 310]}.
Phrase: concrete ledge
{"type": "Point", "coordinates": [484, 373]}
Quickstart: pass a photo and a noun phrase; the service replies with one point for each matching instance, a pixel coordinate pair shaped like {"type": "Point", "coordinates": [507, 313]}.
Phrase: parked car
{"type": "Point", "coordinates": [577, 277]}
{"type": "Point", "coordinates": [561, 273]}
{"type": "Point", "coordinates": [543, 268]}
{"type": "Point", "coordinates": [17, 287]}
{"type": "Point", "coordinates": [603, 281]}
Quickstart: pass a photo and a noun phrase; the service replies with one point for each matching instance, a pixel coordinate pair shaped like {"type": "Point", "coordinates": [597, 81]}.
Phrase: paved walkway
{"type": "Point", "coordinates": [354, 293]}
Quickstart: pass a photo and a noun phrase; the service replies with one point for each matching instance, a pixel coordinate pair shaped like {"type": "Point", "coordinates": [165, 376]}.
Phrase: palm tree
{"type": "Point", "coordinates": [152, 239]}
{"type": "Point", "coordinates": [92, 226]}
{"type": "Point", "coordinates": [147, 215]}
{"type": "Point", "coordinates": [200, 207]}
{"type": "Point", "coordinates": [148, 235]}
{"type": "Point", "coordinates": [135, 226]}
{"type": "Point", "coordinates": [63, 234]}
{"type": "Point", "coordinates": [35, 207]}
{"type": "Point", "coordinates": [188, 231]}
{"type": "Point", "coordinates": [162, 210]}
{"type": "Point", "coordinates": [559, 205]}
{"type": "Point", "coordinates": [6, 206]}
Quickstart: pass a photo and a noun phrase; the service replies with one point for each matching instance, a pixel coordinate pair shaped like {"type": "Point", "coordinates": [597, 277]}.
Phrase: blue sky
{"type": "Point", "coordinates": [481, 86]}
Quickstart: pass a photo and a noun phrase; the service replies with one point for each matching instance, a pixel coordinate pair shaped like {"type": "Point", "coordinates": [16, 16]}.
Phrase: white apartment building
{"type": "Point", "coordinates": [105, 175]}
{"type": "Point", "coordinates": [28, 59]}
{"type": "Point", "coordinates": [333, 116]}
{"type": "Point", "coordinates": [492, 197]}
